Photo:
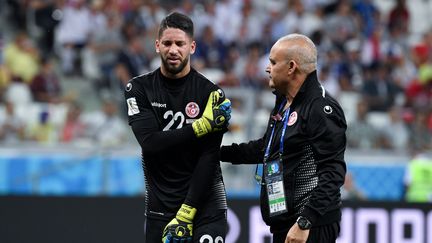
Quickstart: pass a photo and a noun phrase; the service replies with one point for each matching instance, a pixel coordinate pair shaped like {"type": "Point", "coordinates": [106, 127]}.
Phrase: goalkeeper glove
{"type": "Point", "coordinates": [180, 228]}
{"type": "Point", "coordinates": [216, 115]}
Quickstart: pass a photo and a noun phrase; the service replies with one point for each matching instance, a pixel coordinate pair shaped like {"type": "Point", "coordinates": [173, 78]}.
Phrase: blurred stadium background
{"type": "Point", "coordinates": [64, 137]}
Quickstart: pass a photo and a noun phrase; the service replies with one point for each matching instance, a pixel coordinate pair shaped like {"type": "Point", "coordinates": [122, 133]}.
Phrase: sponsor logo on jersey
{"type": "Point", "coordinates": [292, 118]}
{"type": "Point", "coordinates": [132, 106]}
{"type": "Point", "coordinates": [192, 109]}
{"type": "Point", "coordinates": [158, 105]}
{"type": "Point", "coordinates": [128, 87]}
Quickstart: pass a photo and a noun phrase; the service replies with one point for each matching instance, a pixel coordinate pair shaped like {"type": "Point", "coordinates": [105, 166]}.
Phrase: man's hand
{"type": "Point", "coordinates": [216, 115]}
{"type": "Point", "coordinates": [297, 235]}
{"type": "Point", "coordinates": [180, 228]}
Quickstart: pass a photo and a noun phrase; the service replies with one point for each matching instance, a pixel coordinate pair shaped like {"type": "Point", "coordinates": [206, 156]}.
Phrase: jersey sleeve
{"type": "Point", "coordinates": [145, 126]}
{"type": "Point", "coordinates": [205, 171]}
{"type": "Point", "coordinates": [208, 162]}
{"type": "Point", "coordinates": [137, 103]}
{"type": "Point", "coordinates": [326, 129]}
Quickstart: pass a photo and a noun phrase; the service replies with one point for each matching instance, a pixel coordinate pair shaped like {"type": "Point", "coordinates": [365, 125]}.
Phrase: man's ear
{"type": "Point", "coordinates": [193, 47]}
{"type": "Point", "coordinates": [291, 66]}
{"type": "Point", "coordinates": [157, 46]}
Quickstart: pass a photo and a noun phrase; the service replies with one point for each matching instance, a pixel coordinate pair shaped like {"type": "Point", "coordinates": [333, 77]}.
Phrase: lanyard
{"type": "Point", "coordinates": [259, 168]}
{"type": "Point", "coordinates": [285, 119]}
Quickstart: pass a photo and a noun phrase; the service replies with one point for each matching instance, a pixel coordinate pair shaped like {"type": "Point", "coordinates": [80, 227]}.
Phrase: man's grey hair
{"type": "Point", "coordinates": [302, 50]}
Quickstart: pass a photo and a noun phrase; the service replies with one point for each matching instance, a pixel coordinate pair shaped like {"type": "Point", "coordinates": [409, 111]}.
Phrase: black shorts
{"type": "Point", "coordinates": [212, 228]}
{"type": "Point", "coordinates": [322, 234]}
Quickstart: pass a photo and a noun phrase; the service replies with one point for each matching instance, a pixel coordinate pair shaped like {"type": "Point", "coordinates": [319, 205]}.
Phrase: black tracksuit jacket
{"type": "Point", "coordinates": [313, 156]}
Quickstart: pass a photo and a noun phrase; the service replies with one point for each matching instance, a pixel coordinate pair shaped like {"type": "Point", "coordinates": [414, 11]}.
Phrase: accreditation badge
{"type": "Point", "coordinates": [275, 188]}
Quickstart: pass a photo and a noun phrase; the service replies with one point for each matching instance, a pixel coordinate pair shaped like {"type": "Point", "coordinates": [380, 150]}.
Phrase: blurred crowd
{"type": "Point", "coordinates": [366, 56]}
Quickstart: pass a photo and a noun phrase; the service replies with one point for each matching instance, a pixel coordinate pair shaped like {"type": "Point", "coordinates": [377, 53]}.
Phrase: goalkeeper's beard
{"type": "Point", "coordinates": [172, 68]}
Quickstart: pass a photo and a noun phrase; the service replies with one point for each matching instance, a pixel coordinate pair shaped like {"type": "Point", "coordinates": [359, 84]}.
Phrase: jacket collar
{"type": "Point", "coordinates": [309, 84]}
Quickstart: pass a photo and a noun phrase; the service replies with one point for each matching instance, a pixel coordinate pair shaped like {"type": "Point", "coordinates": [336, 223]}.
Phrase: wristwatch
{"type": "Point", "coordinates": [303, 223]}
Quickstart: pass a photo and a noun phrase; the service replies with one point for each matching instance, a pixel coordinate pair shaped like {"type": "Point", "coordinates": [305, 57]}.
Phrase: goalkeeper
{"type": "Point", "coordinates": [178, 117]}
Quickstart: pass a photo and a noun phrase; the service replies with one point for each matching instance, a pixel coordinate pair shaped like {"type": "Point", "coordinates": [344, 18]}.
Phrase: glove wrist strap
{"type": "Point", "coordinates": [186, 213]}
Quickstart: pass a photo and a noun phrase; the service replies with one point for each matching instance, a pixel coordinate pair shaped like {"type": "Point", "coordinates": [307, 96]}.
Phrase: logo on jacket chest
{"type": "Point", "coordinates": [192, 109]}
{"type": "Point", "coordinates": [292, 118]}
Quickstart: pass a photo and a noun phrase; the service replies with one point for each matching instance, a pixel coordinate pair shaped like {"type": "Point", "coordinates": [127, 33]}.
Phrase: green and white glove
{"type": "Point", "coordinates": [216, 115]}
{"type": "Point", "coordinates": [180, 228]}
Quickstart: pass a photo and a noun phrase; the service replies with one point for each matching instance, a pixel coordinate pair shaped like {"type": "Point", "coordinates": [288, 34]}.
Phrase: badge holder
{"type": "Point", "coordinates": [273, 174]}
{"type": "Point", "coordinates": [275, 188]}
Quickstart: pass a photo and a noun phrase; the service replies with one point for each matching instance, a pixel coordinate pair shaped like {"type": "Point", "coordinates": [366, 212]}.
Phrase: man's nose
{"type": "Point", "coordinates": [173, 49]}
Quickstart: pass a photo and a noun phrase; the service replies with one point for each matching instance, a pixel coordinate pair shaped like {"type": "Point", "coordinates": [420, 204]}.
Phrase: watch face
{"type": "Point", "coordinates": [303, 223]}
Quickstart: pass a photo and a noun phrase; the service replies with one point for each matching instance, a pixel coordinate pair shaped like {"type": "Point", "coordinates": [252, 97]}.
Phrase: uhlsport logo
{"type": "Point", "coordinates": [192, 109]}
{"type": "Point", "coordinates": [219, 120]}
{"type": "Point", "coordinates": [328, 109]}
{"type": "Point", "coordinates": [128, 87]}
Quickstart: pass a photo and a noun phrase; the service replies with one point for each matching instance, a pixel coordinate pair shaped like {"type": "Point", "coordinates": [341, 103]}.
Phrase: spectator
{"type": "Point", "coordinates": [73, 129]}
{"type": "Point", "coordinates": [399, 17]}
{"type": "Point", "coordinates": [351, 75]}
{"type": "Point", "coordinates": [17, 14]}
{"type": "Point", "coordinates": [4, 80]}
{"type": "Point", "coordinates": [229, 79]}
{"type": "Point", "coordinates": [420, 135]}
{"type": "Point", "coordinates": [12, 127]}
{"type": "Point", "coordinates": [249, 70]}
{"type": "Point", "coordinates": [72, 35]}
{"type": "Point", "coordinates": [46, 17]}
{"type": "Point", "coordinates": [301, 21]}
{"type": "Point", "coordinates": [104, 45]}
{"type": "Point", "coordinates": [133, 16]}
{"type": "Point", "coordinates": [43, 130]}
{"type": "Point", "coordinates": [105, 127]}
{"type": "Point", "coordinates": [341, 26]}
{"type": "Point", "coordinates": [46, 86]}
{"type": "Point", "coordinates": [227, 21]}
{"type": "Point", "coordinates": [329, 82]}
{"type": "Point", "coordinates": [380, 91]}
{"type": "Point", "coordinates": [404, 71]}
{"type": "Point", "coordinates": [369, 16]}
{"type": "Point", "coordinates": [276, 10]}
{"type": "Point", "coordinates": [4, 72]}
{"type": "Point", "coordinates": [252, 24]}
{"type": "Point", "coordinates": [131, 61]}
{"type": "Point", "coordinates": [152, 14]}
{"type": "Point", "coordinates": [21, 58]}
{"type": "Point", "coordinates": [361, 134]}
{"type": "Point", "coordinates": [211, 51]}
{"type": "Point", "coordinates": [350, 191]}
{"type": "Point", "coordinates": [372, 51]}
{"type": "Point", "coordinates": [418, 179]}
{"type": "Point", "coordinates": [395, 133]}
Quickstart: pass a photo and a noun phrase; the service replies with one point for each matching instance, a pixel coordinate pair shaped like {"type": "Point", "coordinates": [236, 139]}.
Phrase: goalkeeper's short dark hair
{"type": "Point", "coordinates": [179, 21]}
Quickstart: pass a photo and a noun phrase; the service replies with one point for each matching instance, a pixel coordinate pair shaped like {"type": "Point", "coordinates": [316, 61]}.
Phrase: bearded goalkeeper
{"type": "Point", "coordinates": [178, 117]}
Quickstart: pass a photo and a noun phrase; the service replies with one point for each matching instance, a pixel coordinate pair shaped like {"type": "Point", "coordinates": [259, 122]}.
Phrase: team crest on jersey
{"type": "Point", "coordinates": [192, 109]}
{"type": "Point", "coordinates": [292, 118]}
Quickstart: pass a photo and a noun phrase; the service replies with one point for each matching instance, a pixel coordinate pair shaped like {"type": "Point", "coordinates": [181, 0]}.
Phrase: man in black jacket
{"type": "Point", "coordinates": [302, 151]}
